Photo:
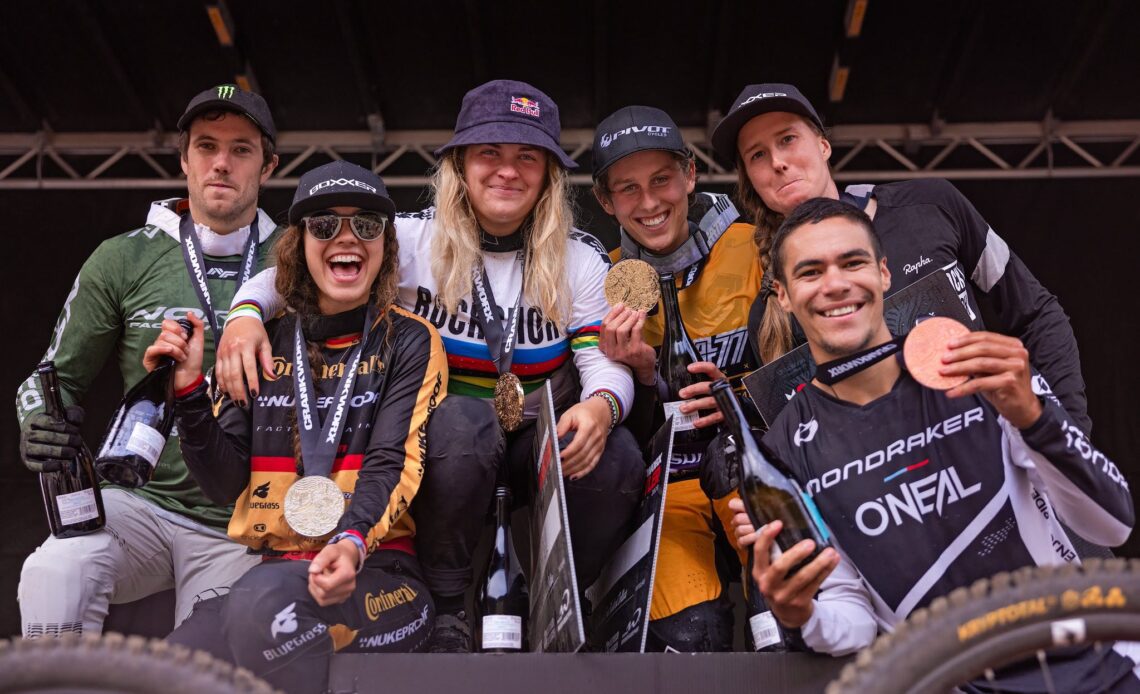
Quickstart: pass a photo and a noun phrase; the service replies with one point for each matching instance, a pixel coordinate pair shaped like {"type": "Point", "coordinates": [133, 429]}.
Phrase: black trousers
{"type": "Point", "coordinates": [271, 625]}
{"type": "Point", "coordinates": [466, 447]}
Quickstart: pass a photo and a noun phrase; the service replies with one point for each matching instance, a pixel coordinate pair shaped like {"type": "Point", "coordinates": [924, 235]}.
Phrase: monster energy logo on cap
{"type": "Point", "coordinates": [226, 91]}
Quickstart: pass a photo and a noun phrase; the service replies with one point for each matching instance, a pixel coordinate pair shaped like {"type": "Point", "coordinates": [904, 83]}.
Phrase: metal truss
{"type": "Point", "coordinates": [1011, 150]}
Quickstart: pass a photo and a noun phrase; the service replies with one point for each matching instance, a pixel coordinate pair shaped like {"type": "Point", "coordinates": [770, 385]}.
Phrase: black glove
{"type": "Point", "coordinates": [47, 444]}
{"type": "Point", "coordinates": [719, 469]}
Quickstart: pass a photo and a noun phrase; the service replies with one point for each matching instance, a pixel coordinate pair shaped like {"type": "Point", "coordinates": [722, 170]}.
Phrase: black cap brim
{"type": "Point", "coordinates": [727, 131]}
{"type": "Point", "coordinates": [365, 201]}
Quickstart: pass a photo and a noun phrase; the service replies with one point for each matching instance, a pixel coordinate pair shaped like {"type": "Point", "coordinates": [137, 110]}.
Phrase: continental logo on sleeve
{"type": "Point", "coordinates": [376, 605]}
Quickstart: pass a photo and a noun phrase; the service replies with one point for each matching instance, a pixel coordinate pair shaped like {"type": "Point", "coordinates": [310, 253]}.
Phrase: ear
{"type": "Point", "coordinates": [825, 148]}
{"type": "Point", "coordinates": [782, 296]}
{"type": "Point", "coordinates": [691, 178]}
{"type": "Point", "coordinates": [267, 170]}
{"type": "Point", "coordinates": [185, 164]}
{"type": "Point", "coordinates": [886, 274]}
{"type": "Point", "coordinates": [603, 200]}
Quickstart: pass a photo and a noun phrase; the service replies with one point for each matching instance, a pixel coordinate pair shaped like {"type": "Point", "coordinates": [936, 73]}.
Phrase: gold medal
{"type": "Point", "coordinates": [633, 283]}
{"type": "Point", "coordinates": [509, 399]}
{"type": "Point", "coordinates": [313, 506]}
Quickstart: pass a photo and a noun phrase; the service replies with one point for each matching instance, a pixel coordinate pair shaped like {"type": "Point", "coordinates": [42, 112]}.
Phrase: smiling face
{"type": "Point", "coordinates": [786, 160]}
{"type": "Point", "coordinates": [504, 183]}
{"type": "Point", "coordinates": [648, 192]}
{"type": "Point", "coordinates": [344, 267]}
{"type": "Point", "coordinates": [834, 286]}
{"type": "Point", "coordinates": [224, 171]}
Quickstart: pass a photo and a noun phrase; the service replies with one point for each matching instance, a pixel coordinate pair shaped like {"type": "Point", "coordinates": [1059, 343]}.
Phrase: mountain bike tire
{"type": "Point", "coordinates": [998, 621]}
{"type": "Point", "coordinates": [117, 663]}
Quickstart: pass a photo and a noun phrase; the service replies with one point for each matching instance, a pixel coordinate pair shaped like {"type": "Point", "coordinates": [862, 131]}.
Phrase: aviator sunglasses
{"type": "Point", "coordinates": [368, 226]}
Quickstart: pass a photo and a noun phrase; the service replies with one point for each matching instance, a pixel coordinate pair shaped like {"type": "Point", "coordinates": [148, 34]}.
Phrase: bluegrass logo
{"type": "Point", "coordinates": [226, 91]}
{"type": "Point", "coordinates": [525, 106]}
{"type": "Point", "coordinates": [805, 432]}
{"type": "Point", "coordinates": [262, 491]}
{"type": "Point", "coordinates": [285, 622]}
{"type": "Point", "coordinates": [342, 182]}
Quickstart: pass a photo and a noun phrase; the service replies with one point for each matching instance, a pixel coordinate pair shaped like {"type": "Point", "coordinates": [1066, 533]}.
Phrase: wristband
{"type": "Point", "coordinates": [356, 540]}
{"type": "Point", "coordinates": [189, 390]}
{"type": "Point", "coordinates": [245, 308]}
{"type": "Point", "coordinates": [612, 401]}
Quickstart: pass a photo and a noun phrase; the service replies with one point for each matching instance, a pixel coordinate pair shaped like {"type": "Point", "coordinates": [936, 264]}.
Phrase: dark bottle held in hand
{"type": "Point", "coordinates": [140, 426]}
{"type": "Point", "coordinates": [676, 353]}
{"type": "Point", "coordinates": [71, 495]}
{"type": "Point", "coordinates": [502, 603]}
{"type": "Point", "coordinates": [763, 634]}
{"type": "Point", "coordinates": [769, 491]}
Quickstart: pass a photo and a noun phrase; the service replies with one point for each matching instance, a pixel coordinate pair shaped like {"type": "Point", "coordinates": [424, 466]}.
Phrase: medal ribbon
{"type": "Point", "coordinates": [318, 449]}
{"type": "Point", "coordinates": [838, 369]}
{"type": "Point", "coordinates": [500, 343]}
{"type": "Point", "coordinates": [195, 262]}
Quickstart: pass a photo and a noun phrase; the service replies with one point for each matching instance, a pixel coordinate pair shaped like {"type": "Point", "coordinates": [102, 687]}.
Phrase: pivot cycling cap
{"type": "Point", "coordinates": [230, 97]}
{"type": "Point", "coordinates": [753, 101]}
{"type": "Point", "coordinates": [508, 112]}
{"type": "Point", "coordinates": [634, 129]}
{"type": "Point", "coordinates": [340, 184]}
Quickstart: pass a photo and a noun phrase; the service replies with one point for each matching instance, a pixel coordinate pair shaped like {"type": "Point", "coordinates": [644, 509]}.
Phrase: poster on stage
{"type": "Point", "coordinates": [941, 293]}
{"type": "Point", "coordinates": [622, 594]}
{"type": "Point", "coordinates": [555, 611]}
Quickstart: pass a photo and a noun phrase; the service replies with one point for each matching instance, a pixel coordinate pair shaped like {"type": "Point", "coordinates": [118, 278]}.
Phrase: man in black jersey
{"type": "Point", "coordinates": [923, 490]}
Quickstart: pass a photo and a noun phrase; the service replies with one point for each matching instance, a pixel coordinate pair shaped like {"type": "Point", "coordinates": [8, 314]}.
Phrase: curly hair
{"type": "Point", "coordinates": [456, 252]}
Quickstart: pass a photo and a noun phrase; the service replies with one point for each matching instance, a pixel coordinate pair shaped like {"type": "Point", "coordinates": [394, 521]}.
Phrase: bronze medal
{"type": "Point", "coordinates": [925, 344]}
{"type": "Point", "coordinates": [633, 283]}
{"type": "Point", "coordinates": [313, 506]}
{"type": "Point", "coordinates": [509, 401]}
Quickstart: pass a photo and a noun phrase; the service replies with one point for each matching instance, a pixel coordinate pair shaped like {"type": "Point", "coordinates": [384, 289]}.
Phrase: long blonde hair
{"type": "Point", "coordinates": [455, 249]}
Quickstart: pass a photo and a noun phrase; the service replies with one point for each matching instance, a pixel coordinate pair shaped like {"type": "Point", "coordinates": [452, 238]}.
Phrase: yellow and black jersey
{"type": "Point", "coordinates": [251, 453]}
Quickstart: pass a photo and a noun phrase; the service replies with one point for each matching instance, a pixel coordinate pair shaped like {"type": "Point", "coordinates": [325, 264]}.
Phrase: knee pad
{"type": "Point", "coordinates": [704, 627]}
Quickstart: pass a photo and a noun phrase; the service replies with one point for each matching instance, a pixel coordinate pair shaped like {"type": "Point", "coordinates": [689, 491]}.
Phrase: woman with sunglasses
{"type": "Point", "coordinates": [777, 141]}
{"type": "Point", "coordinates": [499, 242]}
{"type": "Point", "coordinates": [340, 416]}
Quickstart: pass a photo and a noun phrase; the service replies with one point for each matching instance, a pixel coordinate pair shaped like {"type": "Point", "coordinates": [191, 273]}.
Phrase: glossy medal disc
{"type": "Point", "coordinates": [925, 344]}
{"type": "Point", "coordinates": [313, 506]}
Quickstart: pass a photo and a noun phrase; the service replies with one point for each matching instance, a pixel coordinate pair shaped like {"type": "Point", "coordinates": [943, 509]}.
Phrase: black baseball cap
{"type": "Point", "coordinates": [230, 97]}
{"type": "Point", "coordinates": [340, 183]}
{"type": "Point", "coordinates": [753, 101]}
{"type": "Point", "coordinates": [634, 129]}
{"type": "Point", "coordinates": [509, 112]}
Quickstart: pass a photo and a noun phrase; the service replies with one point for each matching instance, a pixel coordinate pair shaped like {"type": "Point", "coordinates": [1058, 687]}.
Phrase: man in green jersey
{"type": "Point", "coordinates": [188, 258]}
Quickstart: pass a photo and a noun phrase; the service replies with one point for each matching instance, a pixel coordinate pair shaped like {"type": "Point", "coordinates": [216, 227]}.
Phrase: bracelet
{"type": "Point", "coordinates": [356, 540]}
{"type": "Point", "coordinates": [615, 408]}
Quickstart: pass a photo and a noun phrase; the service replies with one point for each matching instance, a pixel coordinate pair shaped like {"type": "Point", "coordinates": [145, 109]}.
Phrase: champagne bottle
{"type": "Point", "coordinates": [763, 635]}
{"type": "Point", "coordinates": [768, 489]}
{"type": "Point", "coordinates": [677, 352]}
{"type": "Point", "coordinates": [140, 426]}
{"type": "Point", "coordinates": [71, 495]}
{"type": "Point", "coordinates": [502, 603]}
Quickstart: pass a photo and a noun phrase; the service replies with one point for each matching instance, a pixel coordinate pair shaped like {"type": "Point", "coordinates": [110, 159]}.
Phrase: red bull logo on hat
{"type": "Point", "coordinates": [525, 106]}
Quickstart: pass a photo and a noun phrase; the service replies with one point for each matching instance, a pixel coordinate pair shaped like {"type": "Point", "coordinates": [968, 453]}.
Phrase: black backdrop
{"type": "Point", "coordinates": [1079, 237]}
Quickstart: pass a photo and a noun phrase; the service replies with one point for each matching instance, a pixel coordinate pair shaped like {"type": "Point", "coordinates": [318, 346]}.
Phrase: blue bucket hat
{"type": "Point", "coordinates": [508, 112]}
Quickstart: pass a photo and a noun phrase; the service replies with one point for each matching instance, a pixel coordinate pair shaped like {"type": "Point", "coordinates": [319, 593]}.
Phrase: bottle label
{"type": "Point", "coordinates": [77, 507]}
{"type": "Point", "coordinates": [681, 421]}
{"type": "Point", "coordinates": [146, 442]}
{"type": "Point", "coordinates": [764, 630]}
{"type": "Point", "coordinates": [502, 631]}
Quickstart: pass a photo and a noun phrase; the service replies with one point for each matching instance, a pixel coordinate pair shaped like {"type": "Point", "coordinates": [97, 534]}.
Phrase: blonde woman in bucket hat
{"type": "Point", "coordinates": [501, 235]}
